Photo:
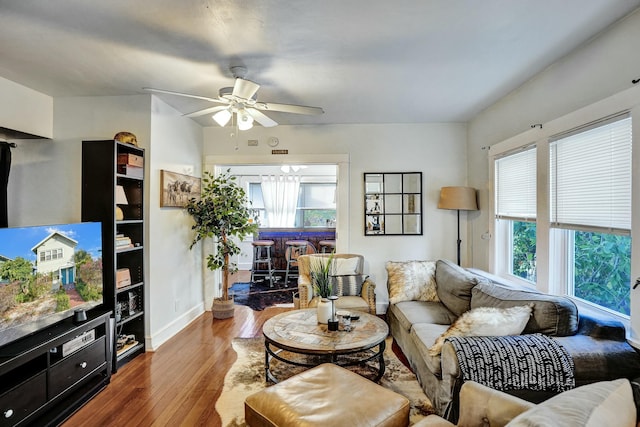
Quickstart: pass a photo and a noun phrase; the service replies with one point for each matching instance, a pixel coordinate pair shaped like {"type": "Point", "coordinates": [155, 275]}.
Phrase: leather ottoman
{"type": "Point", "coordinates": [327, 395]}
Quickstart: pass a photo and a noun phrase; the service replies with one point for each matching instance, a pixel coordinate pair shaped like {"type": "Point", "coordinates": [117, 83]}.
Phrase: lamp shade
{"type": "Point", "coordinates": [121, 196]}
{"type": "Point", "coordinates": [460, 198]}
{"type": "Point", "coordinates": [222, 117]}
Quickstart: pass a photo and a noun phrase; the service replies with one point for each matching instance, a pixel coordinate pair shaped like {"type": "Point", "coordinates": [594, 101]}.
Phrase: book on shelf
{"type": "Point", "coordinates": [123, 242]}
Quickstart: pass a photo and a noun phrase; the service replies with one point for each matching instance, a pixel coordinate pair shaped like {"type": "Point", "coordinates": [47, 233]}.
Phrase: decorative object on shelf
{"type": "Point", "coordinates": [178, 189]}
{"type": "Point", "coordinates": [121, 199]}
{"type": "Point", "coordinates": [126, 138]}
{"type": "Point", "coordinates": [123, 278]}
{"type": "Point", "coordinates": [393, 203]}
{"type": "Point", "coordinates": [459, 199]}
{"type": "Point", "coordinates": [222, 212]}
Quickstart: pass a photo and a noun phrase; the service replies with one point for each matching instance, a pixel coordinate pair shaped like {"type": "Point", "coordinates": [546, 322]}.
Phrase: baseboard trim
{"type": "Point", "coordinates": [156, 340]}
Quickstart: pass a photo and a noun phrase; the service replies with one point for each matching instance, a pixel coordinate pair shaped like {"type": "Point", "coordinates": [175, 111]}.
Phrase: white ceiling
{"type": "Point", "coordinates": [363, 61]}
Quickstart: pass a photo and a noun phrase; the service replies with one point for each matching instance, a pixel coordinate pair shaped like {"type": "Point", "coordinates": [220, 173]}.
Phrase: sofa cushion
{"type": "Point", "coordinates": [424, 335]}
{"type": "Point", "coordinates": [486, 322]}
{"type": "Point", "coordinates": [592, 405]}
{"type": "Point", "coordinates": [453, 286]}
{"type": "Point", "coordinates": [411, 281]}
{"type": "Point", "coordinates": [552, 315]}
{"type": "Point", "coordinates": [409, 313]}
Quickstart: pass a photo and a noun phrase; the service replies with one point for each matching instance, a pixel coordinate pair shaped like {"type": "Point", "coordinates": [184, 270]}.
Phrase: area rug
{"type": "Point", "coordinates": [246, 377]}
{"type": "Point", "coordinates": [259, 295]}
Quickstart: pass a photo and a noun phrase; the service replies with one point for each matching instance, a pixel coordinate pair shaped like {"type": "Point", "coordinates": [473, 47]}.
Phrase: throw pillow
{"type": "Point", "coordinates": [344, 266]}
{"type": "Point", "coordinates": [349, 285]}
{"type": "Point", "coordinates": [593, 405]}
{"type": "Point", "coordinates": [486, 322]}
{"type": "Point", "coordinates": [411, 281]}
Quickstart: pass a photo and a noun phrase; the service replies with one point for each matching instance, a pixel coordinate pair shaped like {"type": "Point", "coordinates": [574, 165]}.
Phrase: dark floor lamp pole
{"type": "Point", "coordinates": [459, 241]}
{"type": "Point", "coordinates": [458, 198]}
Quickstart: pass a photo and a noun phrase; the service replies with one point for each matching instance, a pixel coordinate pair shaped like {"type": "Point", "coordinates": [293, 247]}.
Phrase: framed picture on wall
{"type": "Point", "coordinates": [176, 189]}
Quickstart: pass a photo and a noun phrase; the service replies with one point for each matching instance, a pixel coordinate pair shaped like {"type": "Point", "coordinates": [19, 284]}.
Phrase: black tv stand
{"type": "Point", "coordinates": [47, 376]}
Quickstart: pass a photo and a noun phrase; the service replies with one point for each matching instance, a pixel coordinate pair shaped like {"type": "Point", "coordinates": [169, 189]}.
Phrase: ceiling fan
{"type": "Point", "coordinates": [242, 100]}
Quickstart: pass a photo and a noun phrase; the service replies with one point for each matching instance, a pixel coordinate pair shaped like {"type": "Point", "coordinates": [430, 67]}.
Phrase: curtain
{"type": "Point", "coordinates": [5, 165]}
{"type": "Point", "coordinates": [280, 195]}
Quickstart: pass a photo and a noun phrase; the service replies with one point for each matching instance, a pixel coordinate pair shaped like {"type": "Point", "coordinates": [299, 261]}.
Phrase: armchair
{"type": "Point", "coordinates": [348, 266]}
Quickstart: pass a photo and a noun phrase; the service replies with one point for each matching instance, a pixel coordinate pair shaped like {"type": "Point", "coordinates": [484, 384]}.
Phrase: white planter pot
{"type": "Point", "coordinates": [324, 310]}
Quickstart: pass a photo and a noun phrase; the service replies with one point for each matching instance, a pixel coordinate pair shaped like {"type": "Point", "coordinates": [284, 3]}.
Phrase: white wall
{"type": "Point", "coordinates": [175, 295]}
{"type": "Point", "coordinates": [45, 188]}
{"type": "Point", "coordinates": [603, 67]}
{"type": "Point", "coordinates": [436, 150]}
{"type": "Point", "coordinates": [25, 109]}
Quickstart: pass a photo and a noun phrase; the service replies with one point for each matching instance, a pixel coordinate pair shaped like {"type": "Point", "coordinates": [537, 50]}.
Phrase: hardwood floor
{"type": "Point", "coordinates": [179, 384]}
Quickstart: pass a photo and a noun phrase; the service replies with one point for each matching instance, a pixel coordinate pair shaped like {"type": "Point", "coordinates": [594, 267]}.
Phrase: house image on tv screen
{"type": "Point", "coordinates": [55, 255]}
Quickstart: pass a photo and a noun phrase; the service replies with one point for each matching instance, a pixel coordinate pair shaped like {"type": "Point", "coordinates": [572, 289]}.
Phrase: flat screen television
{"type": "Point", "coordinates": [46, 273]}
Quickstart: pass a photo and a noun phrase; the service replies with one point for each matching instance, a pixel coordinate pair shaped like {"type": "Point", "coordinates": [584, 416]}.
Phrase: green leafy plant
{"type": "Point", "coordinates": [222, 212]}
{"type": "Point", "coordinates": [320, 270]}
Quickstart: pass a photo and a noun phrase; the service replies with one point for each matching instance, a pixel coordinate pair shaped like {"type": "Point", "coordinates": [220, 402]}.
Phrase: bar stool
{"type": "Point", "coordinates": [327, 245]}
{"type": "Point", "coordinates": [262, 259]}
{"type": "Point", "coordinates": [295, 248]}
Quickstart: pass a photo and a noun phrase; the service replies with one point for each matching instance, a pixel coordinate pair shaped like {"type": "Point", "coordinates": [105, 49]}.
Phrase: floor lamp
{"type": "Point", "coordinates": [459, 199]}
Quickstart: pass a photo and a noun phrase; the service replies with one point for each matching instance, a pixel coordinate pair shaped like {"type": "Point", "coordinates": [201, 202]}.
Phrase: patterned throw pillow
{"type": "Point", "coordinates": [348, 285]}
{"type": "Point", "coordinates": [411, 281]}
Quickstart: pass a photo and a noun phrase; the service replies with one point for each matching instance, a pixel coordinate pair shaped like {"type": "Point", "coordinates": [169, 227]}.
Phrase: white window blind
{"type": "Point", "coordinates": [591, 177]}
{"type": "Point", "coordinates": [515, 178]}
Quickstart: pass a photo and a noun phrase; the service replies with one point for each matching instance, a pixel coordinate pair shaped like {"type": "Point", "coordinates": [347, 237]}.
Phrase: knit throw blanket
{"type": "Point", "coordinates": [519, 362]}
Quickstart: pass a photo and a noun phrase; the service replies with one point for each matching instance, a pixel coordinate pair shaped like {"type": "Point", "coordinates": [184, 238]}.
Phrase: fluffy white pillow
{"type": "Point", "coordinates": [411, 281]}
{"type": "Point", "coordinates": [599, 404]}
{"type": "Point", "coordinates": [486, 322]}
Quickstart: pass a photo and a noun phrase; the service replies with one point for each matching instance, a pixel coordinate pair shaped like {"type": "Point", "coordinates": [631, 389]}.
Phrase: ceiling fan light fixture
{"type": "Point", "coordinates": [245, 121]}
{"type": "Point", "coordinates": [222, 117]}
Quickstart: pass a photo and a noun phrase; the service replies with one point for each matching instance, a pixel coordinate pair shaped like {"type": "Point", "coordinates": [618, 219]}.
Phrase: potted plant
{"type": "Point", "coordinates": [222, 212]}
{"type": "Point", "coordinates": [320, 271]}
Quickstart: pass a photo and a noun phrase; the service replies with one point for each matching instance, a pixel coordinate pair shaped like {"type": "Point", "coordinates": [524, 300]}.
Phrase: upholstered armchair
{"type": "Point", "coordinates": [356, 290]}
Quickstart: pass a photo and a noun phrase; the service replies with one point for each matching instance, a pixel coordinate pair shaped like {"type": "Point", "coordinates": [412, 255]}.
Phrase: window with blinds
{"type": "Point", "coordinates": [590, 177]}
{"type": "Point", "coordinates": [515, 179]}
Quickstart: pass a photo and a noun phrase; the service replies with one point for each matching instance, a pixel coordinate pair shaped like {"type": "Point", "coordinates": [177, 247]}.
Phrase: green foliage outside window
{"type": "Point", "coordinates": [603, 269]}
{"type": "Point", "coordinates": [602, 265]}
{"type": "Point", "coordinates": [524, 250]}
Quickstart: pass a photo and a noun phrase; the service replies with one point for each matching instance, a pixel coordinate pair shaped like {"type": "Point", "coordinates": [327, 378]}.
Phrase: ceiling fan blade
{"type": "Point", "coordinates": [170, 92]}
{"type": "Point", "coordinates": [206, 111]}
{"type": "Point", "coordinates": [261, 118]}
{"type": "Point", "coordinates": [288, 108]}
{"type": "Point", "coordinates": [245, 89]}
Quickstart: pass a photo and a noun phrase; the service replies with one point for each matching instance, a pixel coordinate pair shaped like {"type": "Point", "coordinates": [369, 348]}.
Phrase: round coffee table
{"type": "Point", "coordinates": [298, 332]}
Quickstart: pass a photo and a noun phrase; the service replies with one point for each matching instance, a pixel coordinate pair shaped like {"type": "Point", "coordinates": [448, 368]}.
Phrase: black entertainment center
{"type": "Point", "coordinates": [46, 376]}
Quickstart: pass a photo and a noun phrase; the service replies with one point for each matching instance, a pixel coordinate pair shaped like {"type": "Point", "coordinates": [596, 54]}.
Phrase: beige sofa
{"type": "Point", "coordinates": [348, 273]}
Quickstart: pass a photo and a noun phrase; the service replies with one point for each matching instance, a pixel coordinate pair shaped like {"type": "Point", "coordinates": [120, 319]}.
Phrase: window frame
{"type": "Point", "coordinates": [548, 274]}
